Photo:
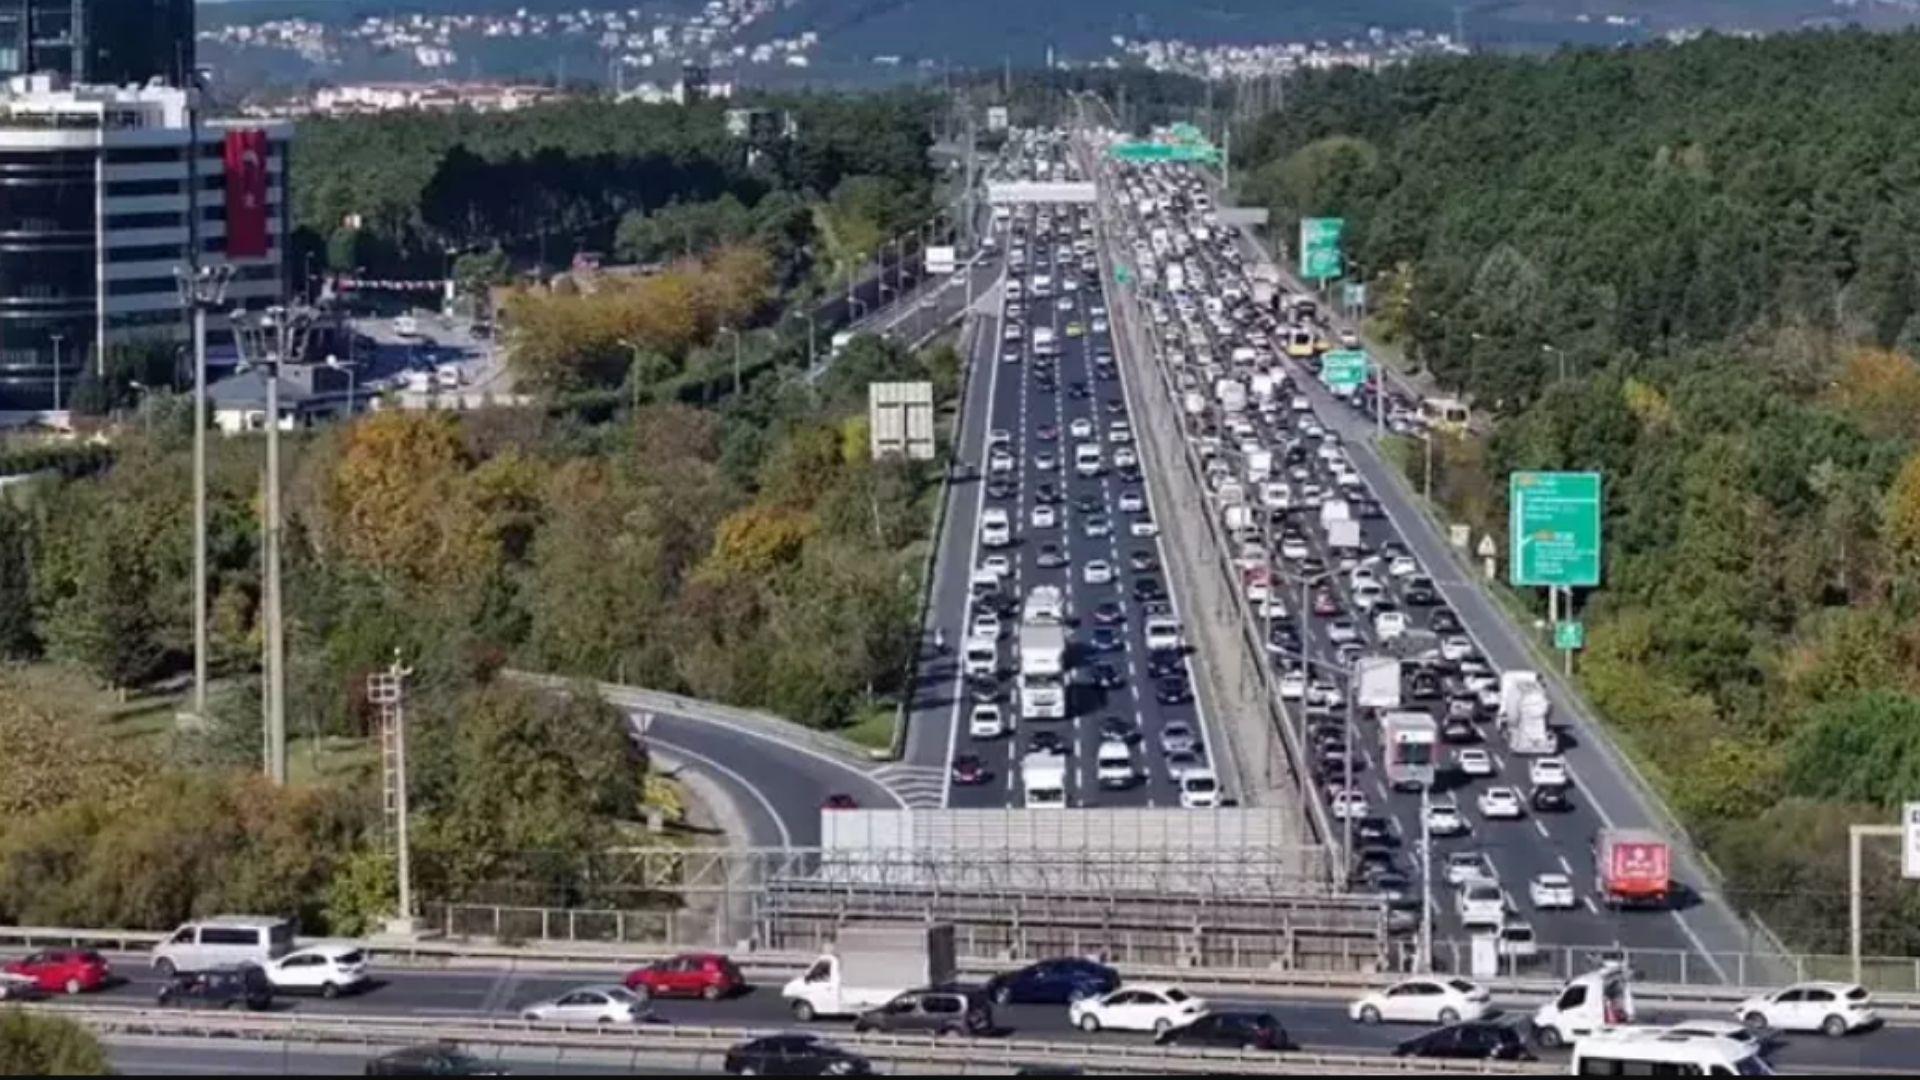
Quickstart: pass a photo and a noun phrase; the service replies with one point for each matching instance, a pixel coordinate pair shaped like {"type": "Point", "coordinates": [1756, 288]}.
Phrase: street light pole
{"type": "Point", "coordinates": [1425, 958]}
{"type": "Point", "coordinates": [57, 339]}
{"type": "Point", "coordinates": [201, 288]}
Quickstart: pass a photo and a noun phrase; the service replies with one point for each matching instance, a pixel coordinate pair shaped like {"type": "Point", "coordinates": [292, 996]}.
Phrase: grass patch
{"type": "Point", "coordinates": [58, 690]}
{"type": "Point", "coordinates": [872, 726]}
{"type": "Point", "coordinates": [332, 760]}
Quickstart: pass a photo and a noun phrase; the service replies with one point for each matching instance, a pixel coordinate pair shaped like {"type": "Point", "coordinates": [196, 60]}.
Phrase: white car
{"type": "Point", "coordinates": [1362, 575]}
{"type": "Point", "coordinates": [1423, 1001]}
{"type": "Point", "coordinates": [1045, 517]}
{"type": "Point", "coordinates": [1293, 686]}
{"type": "Point", "coordinates": [985, 625]}
{"type": "Point", "coordinates": [1132, 502]}
{"type": "Point", "coordinates": [328, 969]}
{"type": "Point", "coordinates": [1388, 625]}
{"type": "Point", "coordinates": [1119, 433]}
{"type": "Point", "coordinates": [1199, 790]}
{"type": "Point", "coordinates": [1465, 866]}
{"type": "Point", "coordinates": [1125, 458]}
{"type": "Point", "coordinates": [1349, 804]}
{"type": "Point", "coordinates": [1552, 892]}
{"type": "Point", "coordinates": [1340, 631]}
{"type": "Point", "coordinates": [1081, 428]}
{"type": "Point", "coordinates": [1097, 572]}
{"type": "Point", "coordinates": [1046, 461]}
{"type": "Point", "coordinates": [1548, 772]}
{"type": "Point", "coordinates": [589, 1005]}
{"type": "Point", "coordinates": [1369, 596]}
{"type": "Point", "coordinates": [1473, 761]}
{"type": "Point", "coordinates": [997, 565]}
{"type": "Point", "coordinates": [1155, 1007]}
{"type": "Point", "coordinates": [1501, 803]}
{"type": "Point", "coordinates": [986, 722]}
{"type": "Point", "coordinates": [1294, 548]}
{"type": "Point", "coordinates": [1831, 1008]}
{"type": "Point", "coordinates": [1000, 462]}
{"type": "Point", "coordinates": [1403, 566]}
{"type": "Point", "coordinates": [1455, 647]}
{"type": "Point", "coordinates": [1480, 903]}
{"type": "Point", "coordinates": [1445, 819]}
{"type": "Point", "coordinates": [1144, 528]}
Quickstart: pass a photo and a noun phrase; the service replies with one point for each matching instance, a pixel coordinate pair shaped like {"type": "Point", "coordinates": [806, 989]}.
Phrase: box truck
{"type": "Point", "coordinates": [869, 966]}
{"type": "Point", "coordinates": [1631, 868]}
{"type": "Point", "coordinates": [1523, 714]}
{"type": "Point", "coordinates": [1378, 679]}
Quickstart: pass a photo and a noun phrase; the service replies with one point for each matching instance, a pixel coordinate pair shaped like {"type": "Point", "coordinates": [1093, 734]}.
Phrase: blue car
{"type": "Point", "coordinates": [1053, 982]}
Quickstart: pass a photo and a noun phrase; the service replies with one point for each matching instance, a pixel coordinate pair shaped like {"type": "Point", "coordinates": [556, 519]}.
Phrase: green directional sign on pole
{"type": "Point", "coordinates": [1554, 529]}
{"type": "Point", "coordinates": [1569, 635]}
{"type": "Point", "coordinates": [1344, 370]}
{"type": "Point", "coordinates": [1122, 275]}
{"type": "Point", "coordinates": [1320, 247]}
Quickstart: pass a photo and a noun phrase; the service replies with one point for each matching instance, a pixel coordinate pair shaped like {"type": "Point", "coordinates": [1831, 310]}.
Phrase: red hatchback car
{"type": "Point", "coordinates": [64, 971]}
{"type": "Point", "coordinates": [702, 975]}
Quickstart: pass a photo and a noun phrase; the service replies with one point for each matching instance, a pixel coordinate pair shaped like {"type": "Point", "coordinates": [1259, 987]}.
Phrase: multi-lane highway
{"type": "Point", "coordinates": [1418, 594]}
{"type": "Point", "coordinates": [1046, 390]}
{"type": "Point", "coordinates": [1316, 1021]}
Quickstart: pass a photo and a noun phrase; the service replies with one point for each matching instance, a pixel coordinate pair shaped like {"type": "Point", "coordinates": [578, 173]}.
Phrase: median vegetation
{"type": "Point", "coordinates": [1643, 262]}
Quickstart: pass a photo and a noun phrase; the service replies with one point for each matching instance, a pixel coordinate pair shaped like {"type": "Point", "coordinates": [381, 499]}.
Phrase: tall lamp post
{"type": "Point", "coordinates": [352, 370]}
{"type": "Point", "coordinates": [268, 341]}
{"type": "Point", "coordinates": [202, 288]}
{"type": "Point", "coordinates": [57, 339]}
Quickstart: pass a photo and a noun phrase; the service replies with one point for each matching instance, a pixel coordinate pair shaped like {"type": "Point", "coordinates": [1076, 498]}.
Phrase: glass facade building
{"type": "Point", "coordinates": [110, 42]}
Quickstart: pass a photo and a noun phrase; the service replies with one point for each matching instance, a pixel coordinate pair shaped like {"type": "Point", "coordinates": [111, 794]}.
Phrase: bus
{"type": "Point", "coordinates": [1445, 414]}
{"type": "Point", "coordinates": [1409, 744]}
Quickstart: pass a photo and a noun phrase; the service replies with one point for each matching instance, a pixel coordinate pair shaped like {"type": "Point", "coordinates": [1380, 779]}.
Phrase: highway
{"type": "Point", "coordinates": [1092, 536]}
{"type": "Point", "coordinates": [1311, 1018]}
{"type": "Point", "coordinates": [1520, 849]}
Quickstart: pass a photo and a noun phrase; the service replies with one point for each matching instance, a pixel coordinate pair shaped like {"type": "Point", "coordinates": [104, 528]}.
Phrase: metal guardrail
{"type": "Point", "coordinates": [710, 1044]}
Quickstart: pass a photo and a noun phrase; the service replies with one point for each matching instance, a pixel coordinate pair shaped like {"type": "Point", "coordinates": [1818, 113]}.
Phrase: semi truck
{"type": "Point", "coordinates": [1632, 868]}
{"type": "Point", "coordinates": [869, 966]}
{"type": "Point", "coordinates": [1523, 714]}
{"type": "Point", "coordinates": [1409, 744]}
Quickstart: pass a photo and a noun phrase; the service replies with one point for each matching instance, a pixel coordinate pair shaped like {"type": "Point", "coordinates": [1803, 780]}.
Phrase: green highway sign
{"type": "Point", "coordinates": [1320, 247]}
{"type": "Point", "coordinates": [1121, 274]}
{"type": "Point", "coordinates": [1553, 521]}
{"type": "Point", "coordinates": [1353, 294]}
{"type": "Point", "coordinates": [1569, 635]}
{"type": "Point", "coordinates": [1343, 370]}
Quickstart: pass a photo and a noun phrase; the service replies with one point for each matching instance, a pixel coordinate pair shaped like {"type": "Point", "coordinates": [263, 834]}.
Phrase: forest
{"type": "Point", "coordinates": [1690, 268]}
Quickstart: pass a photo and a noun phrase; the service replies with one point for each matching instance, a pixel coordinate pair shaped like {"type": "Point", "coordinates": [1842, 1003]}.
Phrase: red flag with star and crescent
{"type": "Point", "coordinates": [246, 159]}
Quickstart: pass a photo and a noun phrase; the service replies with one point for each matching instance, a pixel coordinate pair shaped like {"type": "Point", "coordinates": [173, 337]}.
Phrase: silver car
{"type": "Point", "coordinates": [608, 1004]}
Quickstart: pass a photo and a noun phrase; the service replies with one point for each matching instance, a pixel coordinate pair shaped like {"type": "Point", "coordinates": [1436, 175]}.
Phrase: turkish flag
{"type": "Point", "coordinates": [246, 159]}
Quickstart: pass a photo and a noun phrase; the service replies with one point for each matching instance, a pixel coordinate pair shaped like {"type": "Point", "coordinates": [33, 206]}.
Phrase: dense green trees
{"type": "Point", "coordinates": [35, 1044]}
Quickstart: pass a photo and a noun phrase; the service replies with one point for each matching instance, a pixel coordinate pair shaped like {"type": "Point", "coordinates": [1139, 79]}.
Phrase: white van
{"type": "Point", "coordinates": [1590, 1004]}
{"type": "Point", "coordinates": [1163, 633]}
{"type": "Point", "coordinates": [1113, 765]}
{"type": "Point", "coordinates": [981, 657]}
{"type": "Point", "coordinates": [224, 941]}
{"type": "Point", "coordinates": [1086, 459]}
{"type": "Point", "coordinates": [996, 530]}
{"type": "Point", "coordinates": [1668, 1052]}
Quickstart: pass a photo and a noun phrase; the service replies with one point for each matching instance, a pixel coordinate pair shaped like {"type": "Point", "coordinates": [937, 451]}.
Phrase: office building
{"type": "Point", "coordinates": [94, 208]}
{"type": "Point", "coordinates": [112, 42]}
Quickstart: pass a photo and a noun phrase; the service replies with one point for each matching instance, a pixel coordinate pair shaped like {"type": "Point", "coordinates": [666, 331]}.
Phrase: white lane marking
{"type": "Point", "coordinates": [786, 838]}
{"type": "Point", "coordinates": [1565, 866]}
{"type": "Point", "coordinates": [1541, 828]}
{"type": "Point", "coordinates": [1591, 909]}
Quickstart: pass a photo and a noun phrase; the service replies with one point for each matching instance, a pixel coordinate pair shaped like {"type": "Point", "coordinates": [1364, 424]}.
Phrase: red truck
{"type": "Point", "coordinates": [1632, 867]}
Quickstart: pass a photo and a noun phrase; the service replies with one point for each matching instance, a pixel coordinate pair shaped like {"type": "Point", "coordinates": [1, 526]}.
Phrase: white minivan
{"type": "Point", "coordinates": [1086, 459]}
{"type": "Point", "coordinates": [996, 529]}
{"type": "Point", "coordinates": [224, 941]}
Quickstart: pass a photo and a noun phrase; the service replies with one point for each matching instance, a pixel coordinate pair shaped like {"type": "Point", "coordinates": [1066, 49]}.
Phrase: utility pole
{"type": "Point", "coordinates": [201, 288]}
{"type": "Point", "coordinates": [387, 691]}
{"type": "Point", "coordinates": [57, 339]}
{"type": "Point", "coordinates": [269, 341]}
{"type": "Point", "coordinates": [1426, 883]}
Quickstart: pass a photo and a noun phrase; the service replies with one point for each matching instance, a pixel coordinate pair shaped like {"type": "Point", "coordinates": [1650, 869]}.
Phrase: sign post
{"type": "Point", "coordinates": [1344, 370]}
{"type": "Point", "coordinates": [1910, 841]}
{"type": "Point", "coordinates": [1320, 248]}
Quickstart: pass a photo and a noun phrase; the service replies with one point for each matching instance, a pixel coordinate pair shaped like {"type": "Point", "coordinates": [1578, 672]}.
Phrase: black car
{"type": "Point", "coordinates": [1551, 798]}
{"type": "Point", "coordinates": [1050, 557]}
{"type": "Point", "coordinates": [1124, 728]}
{"type": "Point", "coordinates": [1089, 504]}
{"type": "Point", "coordinates": [1053, 982]}
{"type": "Point", "coordinates": [1164, 664]}
{"type": "Point", "coordinates": [437, 1059]}
{"type": "Point", "coordinates": [1142, 562]}
{"type": "Point", "coordinates": [1128, 473]}
{"type": "Point", "coordinates": [1046, 492]}
{"type": "Point", "coordinates": [1080, 390]}
{"type": "Point", "coordinates": [1423, 686]}
{"type": "Point", "coordinates": [984, 688]}
{"type": "Point", "coordinates": [1236, 1030]}
{"type": "Point", "coordinates": [1284, 638]}
{"type": "Point", "coordinates": [1105, 639]}
{"type": "Point", "coordinates": [1045, 384]}
{"type": "Point", "coordinates": [1172, 690]}
{"type": "Point", "coordinates": [1456, 729]}
{"type": "Point", "coordinates": [794, 1055]}
{"type": "Point", "coordinates": [1476, 1040]}
{"type": "Point", "coordinates": [1373, 831]}
{"type": "Point", "coordinates": [1420, 592]}
{"type": "Point", "coordinates": [1046, 742]}
{"type": "Point", "coordinates": [1373, 860]}
{"type": "Point", "coordinates": [1000, 489]}
{"type": "Point", "coordinates": [1106, 676]}
{"type": "Point", "coordinates": [1443, 621]}
{"type": "Point", "coordinates": [938, 1011]}
{"type": "Point", "coordinates": [245, 986]}
{"type": "Point", "coordinates": [1147, 589]}
{"type": "Point", "coordinates": [1108, 613]}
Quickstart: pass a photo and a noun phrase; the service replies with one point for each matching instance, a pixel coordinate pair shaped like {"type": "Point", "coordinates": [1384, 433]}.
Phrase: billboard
{"type": "Point", "coordinates": [940, 259]}
{"type": "Point", "coordinates": [900, 420]}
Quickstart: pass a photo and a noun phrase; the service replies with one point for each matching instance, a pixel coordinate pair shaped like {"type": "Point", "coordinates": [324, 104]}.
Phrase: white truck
{"type": "Point", "coordinates": [1232, 395]}
{"type": "Point", "coordinates": [1524, 709]}
{"type": "Point", "coordinates": [1043, 655]}
{"type": "Point", "coordinates": [1264, 385]}
{"type": "Point", "coordinates": [1259, 466]}
{"type": "Point", "coordinates": [1377, 682]}
{"type": "Point", "coordinates": [1332, 510]}
{"type": "Point", "coordinates": [1043, 781]}
{"type": "Point", "coordinates": [1343, 536]}
{"type": "Point", "coordinates": [1195, 403]}
{"type": "Point", "coordinates": [869, 966]}
{"type": "Point", "coordinates": [1176, 278]}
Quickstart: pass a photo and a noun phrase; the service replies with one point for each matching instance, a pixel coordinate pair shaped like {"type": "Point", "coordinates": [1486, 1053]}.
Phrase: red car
{"type": "Point", "coordinates": [703, 975]}
{"type": "Point", "coordinates": [1325, 603]}
{"type": "Point", "coordinates": [64, 971]}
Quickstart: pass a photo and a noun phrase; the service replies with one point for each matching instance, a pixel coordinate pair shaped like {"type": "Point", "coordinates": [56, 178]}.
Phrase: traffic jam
{"type": "Point", "coordinates": [1399, 714]}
